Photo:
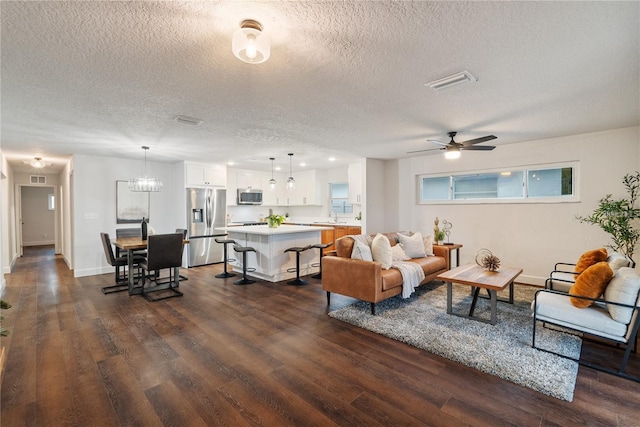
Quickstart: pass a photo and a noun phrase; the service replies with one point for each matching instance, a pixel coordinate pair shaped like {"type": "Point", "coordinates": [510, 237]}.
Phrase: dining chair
{"type": "Point", "coordinates": [122, 283]}
{"type": "Point", "coordinates": [163, 251]}
{"type": "Point", "coordinates": [130, 232]}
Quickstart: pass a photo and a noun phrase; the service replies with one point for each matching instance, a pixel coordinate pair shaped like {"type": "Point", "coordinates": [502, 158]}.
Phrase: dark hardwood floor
{"type": "Point", "coordinates": [262, 354]}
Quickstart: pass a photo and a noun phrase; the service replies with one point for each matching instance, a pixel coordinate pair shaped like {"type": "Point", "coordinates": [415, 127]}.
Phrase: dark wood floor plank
{"type": "Point", "coordinates": [167, 401]}
{"type": "Point", "coordinates": [264, 354]}
{"type": "Point", "coordinates": [127, 398]}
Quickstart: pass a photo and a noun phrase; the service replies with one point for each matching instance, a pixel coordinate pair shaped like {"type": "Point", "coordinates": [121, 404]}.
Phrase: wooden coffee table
{"type": "Point", "coordinates": [478, 277]}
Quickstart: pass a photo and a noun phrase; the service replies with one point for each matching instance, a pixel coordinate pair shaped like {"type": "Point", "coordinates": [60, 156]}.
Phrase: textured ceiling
{"type": "Point", "coordinates": [344, 78]}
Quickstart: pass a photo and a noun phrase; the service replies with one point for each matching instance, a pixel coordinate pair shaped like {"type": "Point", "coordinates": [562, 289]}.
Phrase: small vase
{"type": "Point", "coordinates": [273, 224]}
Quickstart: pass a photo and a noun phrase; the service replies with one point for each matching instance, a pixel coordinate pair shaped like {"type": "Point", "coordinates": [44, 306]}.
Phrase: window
{"type": "Point", "coordinates": [51, 202]}
{"type": "Point", "coordinates": [539, 184]}
{"type": "Point", "coordinates": [340, 198]}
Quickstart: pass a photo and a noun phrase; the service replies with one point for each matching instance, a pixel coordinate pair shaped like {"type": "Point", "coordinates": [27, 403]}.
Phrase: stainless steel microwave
{"type": "Point", "coordinates": [249, 196]}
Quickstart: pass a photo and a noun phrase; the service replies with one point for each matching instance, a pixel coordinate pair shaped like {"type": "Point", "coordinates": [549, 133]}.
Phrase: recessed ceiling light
{"type": "Point", "coordinates": [303, 164]}
{"type": "Point", "coordinates": [332, 159]}
{"type": "Point", "coordinates": [452, 80]}
{"type": "Point", "coordinates": [230, 163]}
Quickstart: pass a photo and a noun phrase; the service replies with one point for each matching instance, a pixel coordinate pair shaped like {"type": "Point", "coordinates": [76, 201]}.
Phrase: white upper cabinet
{"type": "Point", "coordinates": [306, 191]}
{"type": "Point", "coordinates": [249, 179]}
{"type": "Point", "coordinates": [355, 183]}
{"type": "Point", "coordinates": [201, 174]}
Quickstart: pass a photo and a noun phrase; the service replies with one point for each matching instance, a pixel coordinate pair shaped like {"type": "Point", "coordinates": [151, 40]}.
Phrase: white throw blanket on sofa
{"type": "Point", "coordinates": [412, 275]}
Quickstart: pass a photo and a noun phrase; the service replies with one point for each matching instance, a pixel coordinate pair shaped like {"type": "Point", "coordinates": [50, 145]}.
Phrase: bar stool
{"type": "Point", "coordinates": [225, 242]}
{"type": "Point", "coordinates": [297, 250]}
{"type": "Point", "coordinates": [321, 246]}
{"type": "Point", "coordinates": [245, 280]}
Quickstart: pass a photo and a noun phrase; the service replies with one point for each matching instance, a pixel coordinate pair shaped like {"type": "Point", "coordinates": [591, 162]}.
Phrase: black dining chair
{"type": "Point", "coordinates": [122, 282]}
{"type": "Point", "coordinates": [163, 251]}
{"type": "Point", "coordinates": [130, 232]}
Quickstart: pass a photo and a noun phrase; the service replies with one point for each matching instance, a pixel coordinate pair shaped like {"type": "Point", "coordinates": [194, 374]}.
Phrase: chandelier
{"type": "Point", "coordinates": [145, 184]}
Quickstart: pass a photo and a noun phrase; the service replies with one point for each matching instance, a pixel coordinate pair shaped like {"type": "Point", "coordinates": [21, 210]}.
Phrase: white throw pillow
{"type": "Point", "coordinates": [398, 254]}
{"type": "Point", "coordinates": [428, 245]}
{"type": "Point", "coordinates": [413, 245]}
{"type": "Point", "coordinates": [362, 252]}
{"type": "Point", "coordinates": [617, 261]}
{"type": "Point", "coordinates": [381, 250]}
{"type": "Point", "coordinates": [623, 288]}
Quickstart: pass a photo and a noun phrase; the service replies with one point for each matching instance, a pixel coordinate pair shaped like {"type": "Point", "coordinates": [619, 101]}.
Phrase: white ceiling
{"type": "Point", "coordinates": [344, 78]}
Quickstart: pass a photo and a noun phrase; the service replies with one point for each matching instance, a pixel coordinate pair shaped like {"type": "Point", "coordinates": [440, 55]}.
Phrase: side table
{"type": "Point", "coordinates": [451, 248]}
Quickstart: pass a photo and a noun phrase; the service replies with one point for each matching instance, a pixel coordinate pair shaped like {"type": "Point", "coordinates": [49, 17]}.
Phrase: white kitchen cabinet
{"type": "Point", "coordinates": [249, 179]}
{"type": "Point", "coordinates": [307, 191]}
{"type": "Point", "coordinates": [355, 183]}
{"type": "Point", "coordinates": [201, 174]}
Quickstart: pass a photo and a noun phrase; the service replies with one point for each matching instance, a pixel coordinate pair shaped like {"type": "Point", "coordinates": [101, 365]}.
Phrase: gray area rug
{"type": "Point", "coordinates": [503, 350]}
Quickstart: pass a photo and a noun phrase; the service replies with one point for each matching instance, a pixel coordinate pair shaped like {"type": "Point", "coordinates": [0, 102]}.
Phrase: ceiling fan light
{"type": "Point", "coordinates": [452, 154]}
{"type": "Point", "coordinates": [250, 44]}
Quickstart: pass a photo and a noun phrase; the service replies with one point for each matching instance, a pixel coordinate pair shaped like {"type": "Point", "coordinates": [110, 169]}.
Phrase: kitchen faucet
{"type": "Point", "coordinates": [334, 213]}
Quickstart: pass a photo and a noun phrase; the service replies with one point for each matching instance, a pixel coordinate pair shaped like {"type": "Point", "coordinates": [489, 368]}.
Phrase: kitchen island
{"type": "Point", "coordinates": [270, 259]}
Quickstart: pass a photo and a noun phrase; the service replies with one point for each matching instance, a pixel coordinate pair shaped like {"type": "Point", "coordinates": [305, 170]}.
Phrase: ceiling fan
{"type": "Point", "coordinates": [453, 148]}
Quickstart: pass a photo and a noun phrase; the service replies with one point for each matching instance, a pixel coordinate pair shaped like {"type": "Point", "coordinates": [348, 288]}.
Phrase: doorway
{"type": "Point", "coordinates": [36, 216]}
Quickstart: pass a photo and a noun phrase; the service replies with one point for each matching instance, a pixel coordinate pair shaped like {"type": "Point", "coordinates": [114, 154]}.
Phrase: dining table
{"type": "Point", "coordinates": [132, 244]}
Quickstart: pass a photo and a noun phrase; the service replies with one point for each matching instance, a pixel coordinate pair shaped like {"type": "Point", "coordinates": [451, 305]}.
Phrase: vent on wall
{"type": "Point", "coordinates": [37, 179]}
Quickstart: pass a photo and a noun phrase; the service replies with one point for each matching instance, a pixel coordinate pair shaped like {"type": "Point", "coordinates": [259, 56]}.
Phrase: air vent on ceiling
{"type": "Point", "coordinates": [188, 120]}
{"type": "Point", "coordinates": [452, 80]}
{"type": "Point", "coordinates": [37, 179]}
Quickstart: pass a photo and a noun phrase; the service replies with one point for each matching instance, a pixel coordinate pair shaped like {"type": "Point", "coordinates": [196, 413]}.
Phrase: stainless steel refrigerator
{"type": "Point", "coordinates": [206, 210]}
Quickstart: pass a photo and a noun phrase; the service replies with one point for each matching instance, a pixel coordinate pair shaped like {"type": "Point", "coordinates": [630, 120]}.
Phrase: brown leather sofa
{"type": "Point", "coordinates": [366, 280]}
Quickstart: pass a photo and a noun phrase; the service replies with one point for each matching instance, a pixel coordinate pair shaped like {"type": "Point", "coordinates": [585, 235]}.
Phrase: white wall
{"type": "Point", "coordinates": [7, 251]}
{"type": "Point", "coordinates": [531, 236]}
{"type": "Point", "coordinates": [94, 196]}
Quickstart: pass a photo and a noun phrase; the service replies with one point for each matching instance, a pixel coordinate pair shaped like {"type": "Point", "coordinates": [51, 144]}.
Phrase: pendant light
{"type": "Point", "coordinates": [272, 181]}
{"type": "Point", "coordinates": [145, 184]}
{"type": "Point", "coordinates": [290, 181]}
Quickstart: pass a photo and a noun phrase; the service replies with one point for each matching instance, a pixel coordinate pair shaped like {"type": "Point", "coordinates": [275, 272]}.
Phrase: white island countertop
{"type": "Point", "coordinates": [265, 230]}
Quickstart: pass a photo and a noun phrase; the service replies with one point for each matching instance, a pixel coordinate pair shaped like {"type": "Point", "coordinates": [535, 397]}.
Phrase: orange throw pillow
{"type": "Point", "coordinates": [589, 258]}
{"type": "Point", "coordinates": [591, 283]}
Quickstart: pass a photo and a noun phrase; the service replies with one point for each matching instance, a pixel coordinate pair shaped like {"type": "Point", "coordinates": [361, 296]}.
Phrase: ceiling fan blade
{"type": "Point", "coordinates": [437, 142]}
{"type": "Point", "coordinates": [428, 149]}
{"type": "Point", "coordinates": [478, 148]}
{"type": "Point", "coordinates": [477, 140]}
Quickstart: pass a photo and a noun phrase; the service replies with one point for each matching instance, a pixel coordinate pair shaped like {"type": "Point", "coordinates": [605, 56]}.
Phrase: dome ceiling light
{"type": "Point", "coordinates": [250, 44]}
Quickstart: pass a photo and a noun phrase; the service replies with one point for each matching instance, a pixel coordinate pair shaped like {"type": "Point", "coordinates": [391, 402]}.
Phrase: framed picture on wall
{"type": "Point", "coordinates": [131, 206]}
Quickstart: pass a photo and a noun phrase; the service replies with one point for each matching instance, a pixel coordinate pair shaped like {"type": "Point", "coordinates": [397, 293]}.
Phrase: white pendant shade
{"type": "Point", "coordinates": [249, 44]}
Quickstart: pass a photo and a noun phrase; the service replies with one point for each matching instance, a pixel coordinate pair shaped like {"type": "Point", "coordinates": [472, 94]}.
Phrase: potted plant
{"type": "Point", "coordinates": [275, 220]}
{"type": "Point", "coordinates": [439, 236]}
{"type": "Point", "coordinates": [618, 217]}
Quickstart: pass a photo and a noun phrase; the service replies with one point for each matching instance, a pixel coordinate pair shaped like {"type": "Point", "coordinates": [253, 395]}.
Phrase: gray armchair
{"type": "Point", "coordinates": [614, 317]}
